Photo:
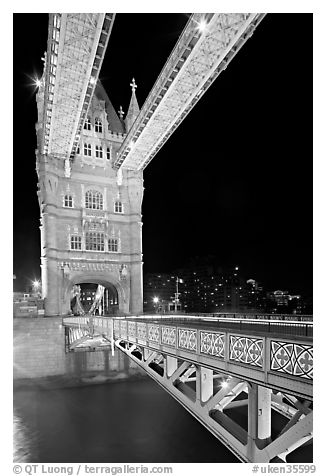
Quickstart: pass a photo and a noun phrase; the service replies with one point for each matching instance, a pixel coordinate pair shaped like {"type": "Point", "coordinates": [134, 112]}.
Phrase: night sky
{"type": "Point", "coordinates": [235, 179]}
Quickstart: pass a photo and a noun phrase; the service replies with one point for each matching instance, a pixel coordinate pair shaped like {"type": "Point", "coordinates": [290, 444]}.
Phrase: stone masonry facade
{"type": "Point", "coordinates": [90, 223]}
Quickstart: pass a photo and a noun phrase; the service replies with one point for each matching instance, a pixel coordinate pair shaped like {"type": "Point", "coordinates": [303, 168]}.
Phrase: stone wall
{"type": "Point", "coordinates": [39, 352]}
{"type": "Point", "coordinates": [39, 349]}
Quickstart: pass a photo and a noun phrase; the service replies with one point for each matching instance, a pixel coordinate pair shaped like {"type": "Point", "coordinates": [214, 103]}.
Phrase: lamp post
{"type": "Point", "coordinates": [155, 301]}
{"type": "Point", "coordinates": [176, 301]}
{"type": "Point", "coordinates": [36, 287]}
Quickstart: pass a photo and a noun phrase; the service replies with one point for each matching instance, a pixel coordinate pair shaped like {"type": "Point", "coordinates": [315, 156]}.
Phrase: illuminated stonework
{"type": "Point", "coordinates": [88, 241]}
{"type": "Point", "coordinates": [212, 343]}
{"type": "Point", "coordinates": [187, 339]}
{"type": "Point", "coordinates": [168, 335]}
{"type": "Point", "coordinates": [246, 350]}
{"type": "Point", "coordinates": [293, 359]}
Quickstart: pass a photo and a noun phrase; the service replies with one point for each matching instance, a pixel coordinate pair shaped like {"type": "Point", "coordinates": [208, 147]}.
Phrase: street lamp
{"type": "Point", "coordinates": [176, 302]}
{"type": "Point", "coordinates": [155, 301]}
{"type": "Point", "coordinates": [36, 286]}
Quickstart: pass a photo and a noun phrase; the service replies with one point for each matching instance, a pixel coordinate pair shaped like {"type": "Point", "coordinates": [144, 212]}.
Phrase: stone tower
{"type": "Point", "coordinates": [91, 229]}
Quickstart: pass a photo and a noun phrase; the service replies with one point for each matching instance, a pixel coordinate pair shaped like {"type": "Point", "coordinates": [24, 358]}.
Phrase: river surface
{"type": "Point", "coordinates": [123, 421]}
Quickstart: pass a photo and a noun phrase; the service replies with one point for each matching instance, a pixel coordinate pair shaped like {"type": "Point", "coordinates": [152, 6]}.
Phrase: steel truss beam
{"type": "Point", "coordinates": [76, 48]}
{"type": "Point", "coordinates": [197, 59]}
{"type": "Point", "coordinates": [207, 404]}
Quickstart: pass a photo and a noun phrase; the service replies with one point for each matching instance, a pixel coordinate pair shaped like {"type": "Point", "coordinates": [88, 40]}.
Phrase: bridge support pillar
{"type": "Point", "coordinates": [171, 365]}
{"type": "Point", "coordinates": [259, 418]}
{"type": "Point", "coordinates": [204, 384]}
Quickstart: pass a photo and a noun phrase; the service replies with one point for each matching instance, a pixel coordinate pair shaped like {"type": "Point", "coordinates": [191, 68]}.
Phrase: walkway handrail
{"type": "Point", "coordinates": [226, 315]}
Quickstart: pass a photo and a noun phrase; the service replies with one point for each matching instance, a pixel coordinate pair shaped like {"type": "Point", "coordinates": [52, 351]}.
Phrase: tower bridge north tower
{"type": "Point", "coordinates": [91, 219]}
{"type": "Point", "coordinates": [90, 161]}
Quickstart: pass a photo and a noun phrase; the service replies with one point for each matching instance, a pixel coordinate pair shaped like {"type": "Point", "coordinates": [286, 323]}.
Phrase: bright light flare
{"type": "Point", "coordinates": [36, 284]}
{"type": "Point", "coordinates": [202, 25]}
{"type": "Point", "coordinates": [155, 300]}
{"type": "Point", "coordinates": [92, 80]}
{"type": "Point", "coordinates": [224, 384]}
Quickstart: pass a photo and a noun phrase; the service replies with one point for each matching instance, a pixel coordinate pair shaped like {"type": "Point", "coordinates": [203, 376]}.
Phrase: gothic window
{"type": "Point", "coordinates": [88, 149]}
{"type": "Point", "coordinates": [78, 150]}
{"type": "Point", "coordinates": [94, 200]}
{"type": "Point", "coordinates": [94, 241]}
{"type": "Point", "coordinates": [68, 201]}
{"type": "Point", "coordinates": [108, 153]}
{"type": "Point", "coordinates": [98, 152]}
{"type": "Point", "coordinates": [118, 207]}
{"type": "Point", "coordinates": [98, 125]}
{"type": "Point", "coordinates": [75, 242]}
{"type": "Point", "coordinates": [88, 124]}
{"type": "Point", "coordinates": [113, 245]}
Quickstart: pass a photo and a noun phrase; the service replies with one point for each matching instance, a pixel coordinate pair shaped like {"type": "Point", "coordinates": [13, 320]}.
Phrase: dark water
{"type": "Point", "coordinates": [130, 421]}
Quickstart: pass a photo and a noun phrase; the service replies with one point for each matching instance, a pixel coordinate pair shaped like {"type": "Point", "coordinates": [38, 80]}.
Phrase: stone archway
{"type": "Point", "coordinates": [108, 281]}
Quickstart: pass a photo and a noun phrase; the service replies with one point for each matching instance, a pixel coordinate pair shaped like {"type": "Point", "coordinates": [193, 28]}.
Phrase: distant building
{"type": "Point", "coordinates": [160, 293]}
{"type": "Point", "coordinates": [282, 302]}
{"type": "Point", "coordinates": [27, 305]}
{"type": "Point", "coordinates": [255, 296]}
{"type": "Point", "coordinates": [201, 290]}
{"type": "Point", "coordinates": [207, 289]}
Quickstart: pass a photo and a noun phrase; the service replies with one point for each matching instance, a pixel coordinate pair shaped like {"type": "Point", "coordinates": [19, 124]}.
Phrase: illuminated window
{"type": "Point", "coordinates": [88, 124]}
{"type": "Point", "coordinates": [75, 242]}
{"type": "Point", "coordinates": [118, 207]}
{"type": "Point", "coordinates": [98, 152]}
{"type": "Point", "coordinates": [113, 245]}
{"type": "Point", "coordinates": [88, 149]}
{"type": "Point", "coordinates": [98, 125]}
{"type": "Point", "coordinates": [94, 200]}
{"type": "Point", "coordinates": [68, 201]}
{"type": "Point", "coordinates": [94, 241]}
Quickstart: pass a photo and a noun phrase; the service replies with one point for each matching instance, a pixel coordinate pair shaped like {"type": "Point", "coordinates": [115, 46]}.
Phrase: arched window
{"type": "Point", "coordinates": [118, 207]}
{"type": "Point", "coordinates": [98, 152]}
{"type": "Point", "coordinates": [88, 124]}
{"type": "Point", "coordinates": [88, 149]}
{"type": "Point", "coordinates": [94, 200]}
{"type": "Point", "coordinates": [98, 125]}
{"type": "Point", "coordinates": [67, 202]}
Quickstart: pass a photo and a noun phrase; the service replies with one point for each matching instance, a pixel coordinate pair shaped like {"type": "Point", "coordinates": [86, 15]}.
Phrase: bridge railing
{"type": "Point", "coordinates": [202, 315]}
{"type": "Point", "coordinates": [262, 324]}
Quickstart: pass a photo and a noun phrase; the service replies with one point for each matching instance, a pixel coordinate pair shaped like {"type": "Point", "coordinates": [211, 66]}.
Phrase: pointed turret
{"type": "Point", "coordinates": [133, 110]}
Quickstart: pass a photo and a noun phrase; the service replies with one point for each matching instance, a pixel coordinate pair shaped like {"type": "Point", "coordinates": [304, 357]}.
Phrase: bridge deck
{"type": "Point", "coordinates": [281, 359]}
